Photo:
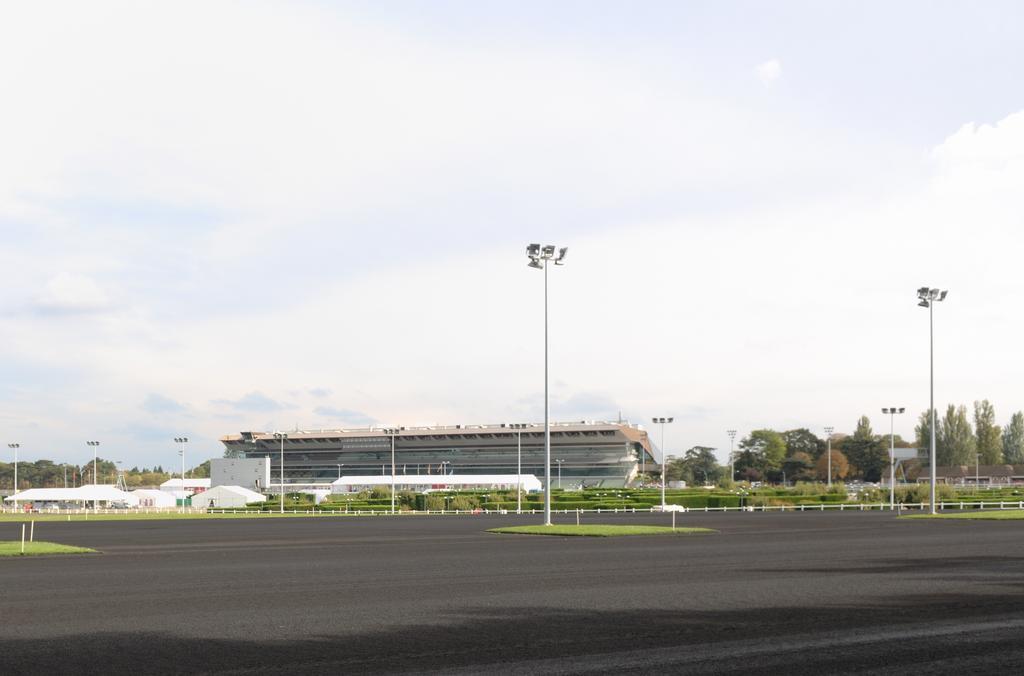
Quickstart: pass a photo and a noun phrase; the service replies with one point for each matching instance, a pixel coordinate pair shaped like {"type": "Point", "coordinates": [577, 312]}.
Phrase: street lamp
{"type": "Point", "coordinates": [181, 451]}
{"type": "Point", "coordinates": [927, 298]}
{"type": "Point", "coordinates": [518, 427]}
{"type": "Point", "coordinates": [392, 431]}
{"type": "Point", "coordinates": [892, 411]}
{"type": "Point", "coordinates": [539, 258]}
{"type": "Point", "coordinates": [281, 436]}
{"type": "Point", "coordinates": [15, 447]}
{"type": "Point", "coordinates": [828, 431]}
{"type": "Point", "coordinates": [732, 457]}
{"type": "Point", "coordinates": [664, 455]}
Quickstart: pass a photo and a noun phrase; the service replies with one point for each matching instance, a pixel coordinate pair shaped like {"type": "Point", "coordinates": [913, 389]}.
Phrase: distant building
{"type": "Point", "coordinates": [971, 475]}
{"type": "Point", "coordinates": [593, 453]}
{"type": "Point", "coordinates": [251, 473]}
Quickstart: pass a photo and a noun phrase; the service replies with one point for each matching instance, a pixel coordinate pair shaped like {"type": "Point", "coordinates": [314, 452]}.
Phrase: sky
{"type": "Point", "coordinates": [227, 216]}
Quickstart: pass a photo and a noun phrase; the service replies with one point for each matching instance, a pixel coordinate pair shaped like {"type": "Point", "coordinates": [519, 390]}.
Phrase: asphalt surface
{"type": "Point", "coordinates": [796, 593]}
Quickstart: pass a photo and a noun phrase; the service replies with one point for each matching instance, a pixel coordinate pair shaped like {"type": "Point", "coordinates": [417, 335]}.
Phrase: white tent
{"type": "Point", "coordinates": [190, 485]}
{"type": "Point", "coordinates": [85, 494]}
{"type": "Point", "coordinates": [226, 496]}
{"type": "Point", "coordinates": [151, 497]}
{"type": "Point", "coordinates": [425, 482]}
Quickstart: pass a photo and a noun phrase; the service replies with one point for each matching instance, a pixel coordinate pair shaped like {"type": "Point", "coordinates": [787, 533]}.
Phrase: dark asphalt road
{"type": "Point", "coordinates": [793, 593]}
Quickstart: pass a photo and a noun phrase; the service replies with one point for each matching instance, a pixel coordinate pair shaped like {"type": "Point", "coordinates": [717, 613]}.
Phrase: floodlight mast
{"type": "Point", "coordinates": [281, 436]}
{"type": "Point", "coordinates": [828, 431]}
{"type": "Point", "coordinates": [732, 459]}
{"type": "Point", "coordinates": [927, 297]}
{"type": "Point", "coordinates": [892, 411]}
{"type": "Point", "coordinates": [15, 447]}
{"type": "Point", "coordinates": [664, 456]}
{"type": "Point", "coordinates": [539, 258]}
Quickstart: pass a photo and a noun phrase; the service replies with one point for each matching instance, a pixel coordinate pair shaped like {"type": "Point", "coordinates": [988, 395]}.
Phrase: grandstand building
{"type": "Point", "coordinates": [591, 453]}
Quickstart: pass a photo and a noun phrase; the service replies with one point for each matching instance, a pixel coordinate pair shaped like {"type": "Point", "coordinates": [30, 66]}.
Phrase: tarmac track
{"type": "Point", "coordinates": [796, 593]}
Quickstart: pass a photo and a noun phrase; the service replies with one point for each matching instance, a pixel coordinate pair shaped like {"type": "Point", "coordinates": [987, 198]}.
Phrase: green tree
{"type": "Point", "coordinates": [802, 440]}
{"type": "Point", "coordinates": [1013, 439]}
{"type": "Point", "coordinates": [764, 450]}
{"type": "Point", "coordinates": [988, 436]}
{"type": "Point", "coordinates": [863, 431]}
{"type": "Point", "coordinates": [798, 467]}
{"type": "Point", "coordinates": [957, 445]}
{"type": "Point", "coordinates": [701, 464]}
{"type": "Point", "coordinates": [923, 431]}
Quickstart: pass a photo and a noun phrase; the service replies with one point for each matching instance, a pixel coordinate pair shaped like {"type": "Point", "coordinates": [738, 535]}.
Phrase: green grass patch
{"type": "Point", "coordinates": [598, 530]}
{"type": "Point", "coordinates": [13, 548]}
{"type": "Point", "coordinates": [1002, 515]}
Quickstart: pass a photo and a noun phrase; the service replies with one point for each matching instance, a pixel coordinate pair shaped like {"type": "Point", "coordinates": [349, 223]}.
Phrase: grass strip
{"type": "Point", "coordinates": [598, 530]}
{"type": "Point", "coordinates": [38, 548]}
{"type": "Point", "coordinates": [1002, 515]}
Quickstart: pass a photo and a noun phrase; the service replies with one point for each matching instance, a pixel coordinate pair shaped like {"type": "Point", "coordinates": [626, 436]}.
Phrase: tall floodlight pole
{"type": "Point", "coordinates": [181, 441]}
{"type": "Point", "coordinates": [95, 463]}
{"type": "Point", "coordinates": [281, 436]}
{"type": "Point", "coordinates": [927, 297]}
{"type": "Point", "coordinates": [539, 258]}
{"type": "Point", "coordinates": [15, 447]}
{"type": "Point", "coordinates": [828, 431]}
{"type": "Point", "coordinates": [95, 450]}
{"type": "Point", "coordinates": [392, 431]}
{"type": "Point", "coordinates": [518, 427]}
{"type": "Point", "coordinates": [732, 457]}
{"type": "Point", "coordinates": [892, 411]}
{"type": "Point", "coordinates": [664, 456]}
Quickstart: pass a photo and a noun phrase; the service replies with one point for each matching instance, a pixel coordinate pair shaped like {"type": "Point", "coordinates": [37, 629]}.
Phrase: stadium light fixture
{"type": "Point", "coordinates": [829, 431]}
{"type": "Point", "coordinates": [928, 297]}
{"type": "Point", "coordinates": [664, 456]}
{"type": "Point", "coordinates": [15, 447]}
{"type": "Point", "coordinates": [181, 441]}
{"type": "Point", "coordinates": [281, 436]}
{"type": "Point", "coordinates": [732, 457]}
{"type": "Point", "coordinates": [539, 257]}
{"type": "Point", "coordinates": [892, 412]}
{"type": "Point", "coordinates": [518, 427]}
{"type": "Point", "coordinates": [392, 431]}
{"type": "Point", "coordinates": [95, 463]}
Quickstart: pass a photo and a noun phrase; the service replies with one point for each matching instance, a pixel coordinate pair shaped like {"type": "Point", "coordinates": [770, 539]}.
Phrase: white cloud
{"type": "Point", "coordinates": [769, 71]}
{"type": "Point", "coordinates": [72, 293]}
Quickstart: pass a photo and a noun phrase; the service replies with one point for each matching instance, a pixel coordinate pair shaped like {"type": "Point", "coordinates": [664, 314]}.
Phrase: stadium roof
{"type": "Point", "coordinates": [581, 427]}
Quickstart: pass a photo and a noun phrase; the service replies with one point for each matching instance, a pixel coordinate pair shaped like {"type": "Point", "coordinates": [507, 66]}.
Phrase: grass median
{"type": "Point", "coordinates": [598, 530]}
{"type": "Point", "coordinates": [1002, 515]}
{"type": "Point", "coordinates": [13, 548]}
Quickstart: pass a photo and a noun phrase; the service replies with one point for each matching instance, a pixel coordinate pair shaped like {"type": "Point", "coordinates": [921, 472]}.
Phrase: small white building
{"type": "Point", "coordinates": [189, 486]}
{"type": "Point", "coordinates": [436, 482]}
{"type": "Point", "coordinates": [226, 497]}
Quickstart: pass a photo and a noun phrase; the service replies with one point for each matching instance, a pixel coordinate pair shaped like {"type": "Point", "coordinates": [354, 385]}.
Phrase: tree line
{"type": "Point", "coordinates": [958, 442]}
{"type": "Point", "coordinates": [801, 455]}
{"type": "Point", "coordinates": [48, 474]}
